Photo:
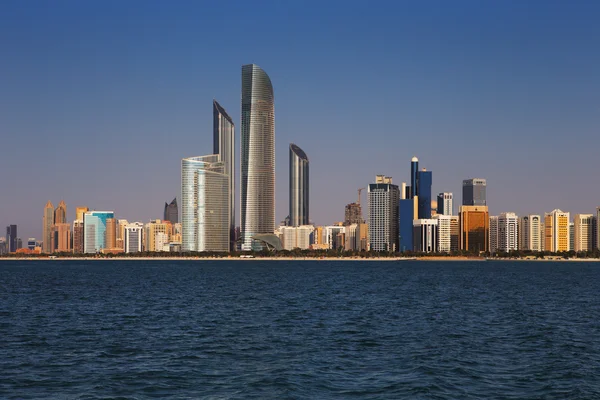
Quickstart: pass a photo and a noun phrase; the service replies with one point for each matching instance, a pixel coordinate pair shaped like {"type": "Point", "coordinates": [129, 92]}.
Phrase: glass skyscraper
{"type": "Point", "coordinates": [257, 192]}
{"type": "Point", "coordinates": [299, 183]}
{"type": "Point", "coordinates": [474, 192]}
{"type": "Point", "coordinates": [171, 213]}
{"type": "Point", "coordinates": [94, 230]}
{"type": "Point", "coordinates": [224, 146]}
{"type": "Point", "coordinates": [424, 181]}
{"type": "Point", "coordinates": [205, 208]}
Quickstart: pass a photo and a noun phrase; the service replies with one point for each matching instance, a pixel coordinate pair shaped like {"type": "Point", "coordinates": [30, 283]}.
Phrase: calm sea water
{"type": "Point", "coordinates": [299, 330]}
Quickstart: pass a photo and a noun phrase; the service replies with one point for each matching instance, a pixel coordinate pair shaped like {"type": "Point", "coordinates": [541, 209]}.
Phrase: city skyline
{"type": "Point", "coordinates": [500, 90]}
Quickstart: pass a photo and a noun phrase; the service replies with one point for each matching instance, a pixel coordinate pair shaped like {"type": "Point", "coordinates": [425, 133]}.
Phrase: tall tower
{"type": "Point", "coordinates": [414, 177]}
{"type": "Point", "coordinates": [474, 192]}
{"type": "Point", "coordinates": [383, 199]}
{"type": "Point", "coordinates": [60, 213]}
{"type": "Point", "coordinates": [258, 155]}
{"type": "Point", "coordinates": [171, 213]}
{"type": "Point", "coordinates": [47, 227]}
{"type": "Point", "coordinates": [299, 184]}
{"type": "Point", "coordinates": [445, 204]}
{"type": "Point", "coordinates": [224, 146]}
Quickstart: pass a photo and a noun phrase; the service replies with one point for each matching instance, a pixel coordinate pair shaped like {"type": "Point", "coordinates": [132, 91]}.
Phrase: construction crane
{"type": "Point", "coordinates": [359, 192]}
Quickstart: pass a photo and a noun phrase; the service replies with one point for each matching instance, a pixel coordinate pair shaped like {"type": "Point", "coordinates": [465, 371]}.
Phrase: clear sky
{"type": "Point", "coordinates": [100, 100]}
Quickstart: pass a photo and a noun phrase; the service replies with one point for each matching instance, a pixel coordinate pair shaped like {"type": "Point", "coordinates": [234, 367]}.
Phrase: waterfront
{"type": "Point", "coordinates": [291, 329]}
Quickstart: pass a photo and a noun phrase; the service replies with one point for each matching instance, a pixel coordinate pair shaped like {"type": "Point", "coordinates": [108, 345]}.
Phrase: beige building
{"type": "Point", "coordinates": [556, 231]}
{"type": "Point", "coordinates": [111, 234]}
{"type": "Point", "coordinates": [531, 233]}
{"type": "Point", "coordinates": [584, 232]}
{"type": "Point", "coordinates": [296, 237]}
{"type": "Point", "coordinates": [48, 221]}
{"type": "Point", "coordinates": [60, 214]}
{"type": "Point", "coordinates": [61, 235]}
{"type": "Point", "coordinates": [79, 212]}
{"type": "Point", "coordinates": [156, 234]}
{"type": "Point", "coordinates": [474, 228]}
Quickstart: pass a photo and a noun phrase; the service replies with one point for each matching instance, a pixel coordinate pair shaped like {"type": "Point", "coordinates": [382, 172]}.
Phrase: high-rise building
{"type": "Point", "coordinates": [444, 233]}
{"type": "Point", "coordinates": [111, 233]}
{"type": "Point", "coordinates": [508, 232]}
{"type": "Point", "coordinates": [334, 236]}
{"type": "Point", "coordinates": [31, 244]}
{"type": "Point", "coordinates": [530, 233]}
{"type": "Point", "coordinates": [94, 231]}
{"type": "Point", "coordinates": [384, 198]}
{"type": "Point", "coordinates": [598, 228]}
{"type": "Point", "coordinates": [556, 231]}
{"type": "Point", "coordinates": [224, 146]}
{"type": "Point", "coordinates": [60, 213]}
{"type": "Point", "coordinates": [493, 234]}
{"type": "Point", "coordinates": [425, 235]}
{"type": "Point", "coordinates": [424, 181]}
{"type": "Point", "coordinates": [445, 204]}
{"type": "Point", "coordinates": [454, 233]}
{"type": "Point", "coordinates": [133, 237]}
{"type": "Point", "coordinates": [79, 211]}
{"type": "Point", "coordinates": [258, 156]}
{"type": "Point", "coordinates": [11, 238]}
{"type": "Point", "coordinates": [296, 237]}
{"type": "Point", "coordinates": [48, 221]}
{"type": "Point", "coordinates": [583, 227]}
{"type": "Point", "coordinates": [353, 214]}
{"type": "Point", "coordinates": [171, 212]}
{"type": "Point", "coordinates": [474, 228]}
{"type": "Point", "coordinates": [158, 233]}
{"type": "Point", "coordinates": [3, 246]}
{"type": "Point", "coordinates": [78, 236]}
{"type": "Point", "coordinates": [205, 217]}
{"type": "Point", "coordinates": [409, 210]}
{"type": "Point", "coordinates": [120, 242]}
{"type": "Point", "coordinates": [61, 237]}
{"type": "Point", "coordinates": [414, 178]}
{"type": "Point", "coordinates": [474, 192]}
{"type": "Point", "coordinates": [299, 187]}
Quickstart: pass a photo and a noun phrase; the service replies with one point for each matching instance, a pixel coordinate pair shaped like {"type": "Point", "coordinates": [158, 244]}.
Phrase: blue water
{"type": "Point", "coordinates": [299, 330]}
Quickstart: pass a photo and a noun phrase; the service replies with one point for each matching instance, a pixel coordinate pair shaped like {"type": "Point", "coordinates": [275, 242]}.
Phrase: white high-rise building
{"type": "Point", "coordinates": [384, 200]}
{"type": "Point", "coordinates": [583, 226]}
{"type": "Point", "coordinates": [508, 232]}
{"type": "Point", "coordinates": [493, 234]}
{"type": "Point", "coordinates": [444, 233]}
{"type": "Point", "coordinates": [445, 204]}
{"type": "Point", "coordinates": [296, 237]}
{"type": "Point", "coordinates": [425, 235]}
{"type": "Point", "coordinates": [133, 237]}
{"type": "Point", "coordinates": [531, 233]}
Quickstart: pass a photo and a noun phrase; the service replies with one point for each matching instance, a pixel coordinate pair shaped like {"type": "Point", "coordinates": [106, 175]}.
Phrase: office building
{"type": "Point", "coordinates": [79, 211]}
{"type": "Point", "coordinates": [61, 237]}
{"type": "Point", "coordinates": [445, 204]}
{"type": "Point", "coordinates": [258, 156]}
{"type": "Point", "coordinates": [171, 212]}
{"type": "Point", "coordinates": [454, 233]}
{"type": "Point", "coordinates": [508, 232]}
{"type": "Point", "coordinates": [296, 237]}
{"type": "Point", "coordinates": [353, 214]}
{"type": "Point", "coordinates": [94, 231]}
{"type": "Point", "coordinates": [11, 238]}
{"type": "Point", "coordinates": [474, 229]}
{"type": "Point", "coordinates": [78, 236]}
{"type": "Point", "coordinates": [334, 236]}
{"type": "Point", "coordinates": [31, 244]}
{"type": "Point", "coordinates": [530, 233]}
{"type": "Point", "coordinates": [556, 231]}
{"type": "Point", "coordinates": [48, 221]}
{"type": "Point", "coordinates": [133, 237]}
{"type": "Point", "coordinates": [224, 146]}
{"type": "Point", "coordinates": [444, 233]}
{"type": "Point", "coordinates": [205, 218]}
{"type": "Point", "coordinates": [413, 191]}
{"type": "Point", "coordinates": [384, 198]}
{"type": "Point", "coordinates": [425, 235]}
{"type": "Point", "coordinates": [493, 234]}
{"type": "Point", "coordinates": [424, 182]}
{"type": "Point", "coordinates": [111, 233]}
{"type": "Point", "coordinates": [60, 213]}
{"type": "Point", "coordinates": [408, 213]}
{"type": "Point", "coordinates": [299, 187]}
{"type": "Point", "coordinates": [157, 234]}
{"type": "Point", "coordinates": [583, 227]}
{"type": "Point", "coordinates": [571, 235]}
{"type": "Point", "coordinates": [474, 192]}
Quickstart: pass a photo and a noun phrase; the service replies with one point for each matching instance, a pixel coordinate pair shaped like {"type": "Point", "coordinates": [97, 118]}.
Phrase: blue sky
{"type": "Point", "coordinates": [99, 101]}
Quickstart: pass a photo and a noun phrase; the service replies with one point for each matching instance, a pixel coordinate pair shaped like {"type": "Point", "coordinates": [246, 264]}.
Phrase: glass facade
{"type": "Point", "coordinates": [94, 231]}
{"type": "Point", "coordinates": [474, 192]}
{"type": "Point", "coordinates": [257, 194]}
{"type": "Point", "coordinates": [424, 179]}
{"type": "Point", "coordinates": [205, 208]}
{"type": "Point", "coordinates": [474, 228]}
{"type": "Point", "coordinates": [224, 146]}
{"type": "Point", "coordinates": [408, 211]}
{"type": "Point", "coordinates": [383, 216]}
{"type": "Point", "coordinates": [299, 187]}
{"type": "Point", "coordinates": [171, 213]}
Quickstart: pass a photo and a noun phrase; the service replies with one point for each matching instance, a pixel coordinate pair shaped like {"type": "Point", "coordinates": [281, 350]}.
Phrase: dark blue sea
{"type": "Point", "coordinates": [299, 330]}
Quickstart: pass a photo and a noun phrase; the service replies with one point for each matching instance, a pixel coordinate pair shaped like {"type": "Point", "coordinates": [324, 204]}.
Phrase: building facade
{"type": "Point", "coordinates": [299, 187]}
{"type": "Point", "coordinates": [556, 231]}
{"type": "Point", "coordinates": [444, 233]}
{"type": "Point", "coordinates": [445, 204]}
{"type": "Point", "coordinates": [409, 210]}
{"type": "Point", "coordinates": [425, 238]}
{"type": "Point", "coordinates": [474, 229]}
{"type": "Point", "coordinates": [530, 233]}
{"type": "Point", "coordinates": [48, 221]}
{"type": "Point", "coordinates": [224, 146]}
{"type": "Point", "coordinates": [60, 213]}
{"type": "Point", "coordinates": [61, 238]}
{"type": "Point", "coordinates": [508, 232]}
{"type": "Point", "coordinates": [133, 237]}
{"type": "Point", "coordinates": [474, 192]}
{"type": "Point", "coordinates": [205, 218]}
{"type": "Point", "coordinates": [94, 231]}
{"type": "Point", "coordinates": [384, 198]}
{"type": "Point", "coordinates": [11, 238]}
{"type": "Point", "coordinates": [171, 212]}
{"type": "Point", "coordinates": [424, 182]}
{"type": "Point", "coordinates": [78, 236]}
{"type": "Point", "coordinates": [583, 225]}
{"type": "Point", "coordinates": [258, 156]}
{"type": "Point", "coordinates": [353, 214]}
{"type": "Point", "coordinates": [493, 234]}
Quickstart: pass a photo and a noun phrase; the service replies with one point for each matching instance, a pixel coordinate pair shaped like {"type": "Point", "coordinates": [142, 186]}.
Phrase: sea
{"type": "Point", "coordinates": [251, 329]}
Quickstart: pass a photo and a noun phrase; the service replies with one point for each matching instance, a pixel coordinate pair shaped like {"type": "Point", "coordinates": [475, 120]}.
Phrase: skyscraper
{"type": "Point", "coordinates": [78, 235]}
{"type": "Point", "coordinates": [584, 228]}
{"type": "Point", "coordinates": [111, 233]}
{"type": "Point", "coordinates": [94, 231]}
{"type": "Point", "coordinates": [508, 232]}
{"type": "Point", "coordinates": [556, 231]}
{"type": "Point", "coordinates": [171, 213]}
{"type": "Point", "coordinates": [424, 181]}
{"type": "Point", "coordinates": [79, 211]}
{"type": "Point", "coordinates": [258, 156]}
{"type": "Point", "coordinates": [224, 146]}
{"type": "Point", "coordinates": [299, 187]}
{"type": "Point", "coordinates": [493, 232]}
{"type": "Point", "coordinates": [425, 233]}
{"type": "Point", "coordinates": [414, 177]}
{"type": "Point", "coordinates": [133, 236]}
{"type": "Point", "coordinates": [48, 221]}
{"type": "Point", "coordinates": [474, 192]}
{"type": "Point", "coordinates": [530, 233]}
{"type": "Point", "coordinates": [353, 214]}
{"type": "Point", "coordinates": [445, 204]}
{"type": "Point", "coordinates": [384, 200]}
{"type": "Point", "coordinates": [60, 213]}
{"type": "Point", "coordinates": [409, 209]}
{"type": "Point", "coordinates": [11, 238]}
{"type": "Point", "coordinates": [205, 207]}
{"type": "Point", "coordinates": [474, 228]}
{"type": "Point", "coordinates": [61, 237]}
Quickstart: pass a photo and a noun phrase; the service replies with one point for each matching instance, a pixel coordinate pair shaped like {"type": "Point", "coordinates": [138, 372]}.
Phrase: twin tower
{"type": "Point", "coordinates": [208, 182]}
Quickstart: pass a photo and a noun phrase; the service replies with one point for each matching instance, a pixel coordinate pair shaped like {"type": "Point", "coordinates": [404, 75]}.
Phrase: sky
{"type": "Point", "coordinates": [100, 100]}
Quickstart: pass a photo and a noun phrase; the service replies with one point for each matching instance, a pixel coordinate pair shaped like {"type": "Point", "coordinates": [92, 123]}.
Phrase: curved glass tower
{"type": "Point", "coordinates": [224, 146]}
{"type": "Point", "coordinates": [257, 194]}
{"type": "Point", "coordinates": [298, 186]}
{"type": "Point", "coordinates": [205, 206]}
